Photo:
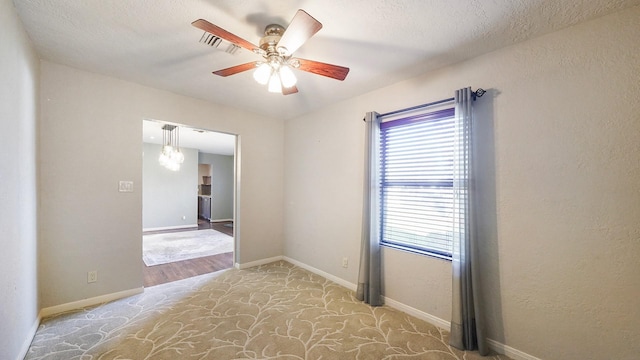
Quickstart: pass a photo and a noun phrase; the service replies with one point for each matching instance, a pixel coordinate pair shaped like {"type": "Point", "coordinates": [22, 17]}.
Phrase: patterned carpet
{"type": "Point", "coordinates": [274, 311]}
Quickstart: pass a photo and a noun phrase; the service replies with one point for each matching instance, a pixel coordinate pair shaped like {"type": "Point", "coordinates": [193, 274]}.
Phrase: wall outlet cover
{"type": "Point", "coordinates": [92, 276]}
{"type": "Point", "coordinates": [125, 186]}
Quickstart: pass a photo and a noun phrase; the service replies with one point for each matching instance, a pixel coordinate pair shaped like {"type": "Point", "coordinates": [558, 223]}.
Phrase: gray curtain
{"type": "Point", "coordinates": [466, 325]}
{"type": "Point", "coordinates": [369, 282]}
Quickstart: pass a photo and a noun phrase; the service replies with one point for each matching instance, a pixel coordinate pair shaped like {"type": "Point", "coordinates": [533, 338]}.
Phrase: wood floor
{"type": "Point", "coordinates": [160, 274]}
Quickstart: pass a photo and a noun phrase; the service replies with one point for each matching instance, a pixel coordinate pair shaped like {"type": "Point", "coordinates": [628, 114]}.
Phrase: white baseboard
{"type": "Point", "coordinates": [258, 262]}
{"type": "Point", "coordinates": [326, 275]}
{"type": "Point", "coordinates": [436, 321]}
{"type": "Point", "coordinates": [496, 346]}
{"type": "Point", "coordinates": [220, 220]}
{"type": "Point", "coordinates": [171, 227]}
{"type": "Point", "coordinates": [513, 353]}
{"type": "Point", "coordinates": [89, 302]}
{"type": "Point", "coordinates": [431, 319]}
{"type": "Point", "coordinates": [29, 339]}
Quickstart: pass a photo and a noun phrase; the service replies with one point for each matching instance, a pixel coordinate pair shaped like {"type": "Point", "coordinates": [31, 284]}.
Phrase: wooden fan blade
{"type": "Point", "coordinates": [328, 70]}
{"type": "Point", "coordinates": [223, 34]}
{"type": "Point", "coordinates": [236, 69]}
{"type": "Point", "coordinates": [302, 27]}
{"type": "Point", "coordinates": [289, 90]}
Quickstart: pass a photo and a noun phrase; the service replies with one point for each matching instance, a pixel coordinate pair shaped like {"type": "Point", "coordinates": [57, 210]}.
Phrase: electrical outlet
{"type": "Point", "coordinates": [125, 186]}
{"type": "Point", "coordinates": [345, 262]}
{"type": "Point", "coordinates": [92, 276]}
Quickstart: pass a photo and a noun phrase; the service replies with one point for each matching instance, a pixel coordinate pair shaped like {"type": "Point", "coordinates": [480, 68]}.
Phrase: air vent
{"type": "Point", "coordinates": [218, 43]}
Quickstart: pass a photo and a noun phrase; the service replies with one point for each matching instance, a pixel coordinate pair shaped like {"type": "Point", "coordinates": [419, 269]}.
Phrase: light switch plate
{"type": "Point", "coordinates": [125, 186]}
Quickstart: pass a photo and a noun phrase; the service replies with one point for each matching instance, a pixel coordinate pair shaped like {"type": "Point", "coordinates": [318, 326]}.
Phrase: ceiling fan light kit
{"type": "Point", "coordinates": [276, 47]}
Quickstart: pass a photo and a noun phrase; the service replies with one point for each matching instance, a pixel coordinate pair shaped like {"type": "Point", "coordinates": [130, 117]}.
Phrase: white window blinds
{"type": "Point", "coordinates": [416, 182]}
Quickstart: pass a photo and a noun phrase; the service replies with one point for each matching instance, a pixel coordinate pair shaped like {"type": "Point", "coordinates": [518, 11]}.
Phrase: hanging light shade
{"type": "Point", "coordinates": [171, 157]}
{"type": "Point", "coordinates": [287, 77]}
{"type": "Point", "coordinates": [262, 74]}
{"type": "Point", "coordinates": [274, 83]}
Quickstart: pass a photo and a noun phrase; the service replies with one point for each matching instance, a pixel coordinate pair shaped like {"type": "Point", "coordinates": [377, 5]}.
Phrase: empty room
{"type": "Point", "coordinates": [404, 179]}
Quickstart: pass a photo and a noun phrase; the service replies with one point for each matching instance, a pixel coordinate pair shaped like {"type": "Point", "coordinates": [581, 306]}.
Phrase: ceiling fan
{"type": "Point", "coordinates": [277, 47]}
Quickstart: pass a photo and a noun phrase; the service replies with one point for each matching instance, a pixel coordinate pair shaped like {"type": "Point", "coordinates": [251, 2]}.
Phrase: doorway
{"type": "Point", "coordinates": [184, 235]}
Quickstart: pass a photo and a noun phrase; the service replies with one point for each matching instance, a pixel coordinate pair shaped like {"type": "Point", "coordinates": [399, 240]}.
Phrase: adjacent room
{"type": "Point", "coordinates": [188, 182]}
{"type": "Point", "coordinates": [513, 234]}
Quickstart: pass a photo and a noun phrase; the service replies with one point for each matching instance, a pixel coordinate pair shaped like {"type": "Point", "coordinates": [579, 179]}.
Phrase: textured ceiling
{"type": "Point", "coordinates": [152, 42]}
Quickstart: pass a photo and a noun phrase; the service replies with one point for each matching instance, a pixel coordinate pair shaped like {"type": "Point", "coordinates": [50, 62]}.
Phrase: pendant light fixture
{"type": "Point", "coordinates": [171, 157]}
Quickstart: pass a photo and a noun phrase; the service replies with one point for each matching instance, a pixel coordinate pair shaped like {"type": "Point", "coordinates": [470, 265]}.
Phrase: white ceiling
{"type": "Point", "coordinates": [152, 42]}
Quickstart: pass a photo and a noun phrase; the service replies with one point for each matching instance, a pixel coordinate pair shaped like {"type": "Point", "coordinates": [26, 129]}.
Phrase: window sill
{"type": "Point", "coordinates": [417, 251]}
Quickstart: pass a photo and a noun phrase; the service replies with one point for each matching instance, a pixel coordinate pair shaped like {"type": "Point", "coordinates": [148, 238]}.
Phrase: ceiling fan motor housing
{"type": "Point", "coordinates": [272, 35]}
{"type": "Point", "coordinates": [268, 43]}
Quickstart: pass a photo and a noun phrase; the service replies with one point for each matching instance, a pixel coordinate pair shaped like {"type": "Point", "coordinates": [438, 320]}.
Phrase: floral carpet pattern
{"type": "Point", "coordinates": [274, 311]}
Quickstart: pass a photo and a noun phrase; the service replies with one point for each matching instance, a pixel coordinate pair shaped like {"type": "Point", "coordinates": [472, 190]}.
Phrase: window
{"type": "Point", "coordinates": [416, 182]}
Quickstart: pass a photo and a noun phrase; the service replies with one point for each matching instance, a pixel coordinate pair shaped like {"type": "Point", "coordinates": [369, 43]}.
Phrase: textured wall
{"type": "Point", "coordinates": [18, 199]}
{"type": "Point", "coordinates": [90, 138]}
{"type": "Point", "coordinates": [559, 170]}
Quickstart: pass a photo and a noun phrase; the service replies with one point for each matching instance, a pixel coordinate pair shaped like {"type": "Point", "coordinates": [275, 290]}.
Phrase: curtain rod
{"type": "Point", "coordinates": [417, 107]}
{"type": "Point", "coordinates": [475, 94]}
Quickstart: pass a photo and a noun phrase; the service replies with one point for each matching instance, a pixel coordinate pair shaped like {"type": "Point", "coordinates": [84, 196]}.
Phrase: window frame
{"type": "Point", "coordinates": [417, 118]}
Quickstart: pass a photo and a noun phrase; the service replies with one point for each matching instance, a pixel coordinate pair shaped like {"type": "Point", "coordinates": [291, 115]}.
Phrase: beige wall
{"type": "Point", "coordinates": [19, 76]}
{"type": "Point", "coordinates": [90, 138]}
{"type": "Point", "coordinates": [559, 171]}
